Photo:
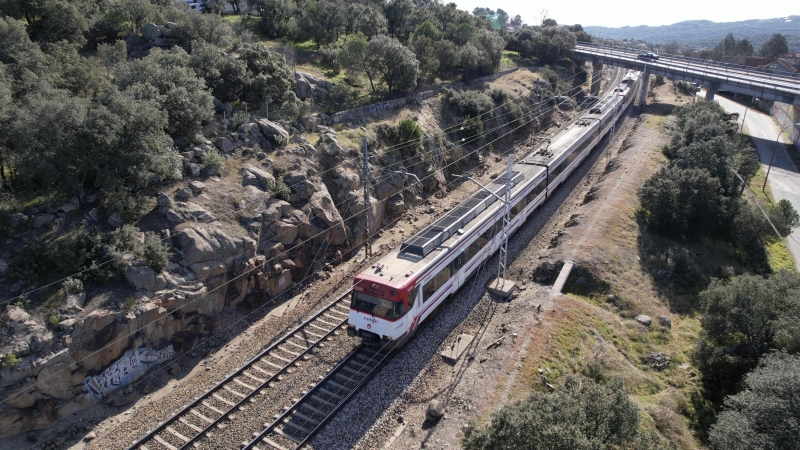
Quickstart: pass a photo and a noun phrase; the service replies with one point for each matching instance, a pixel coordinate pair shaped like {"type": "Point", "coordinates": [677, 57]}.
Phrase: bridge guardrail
{"type": "Point", "coordinates": [706, 63]}
{"type": "Point", "coordinates": [748, 76]}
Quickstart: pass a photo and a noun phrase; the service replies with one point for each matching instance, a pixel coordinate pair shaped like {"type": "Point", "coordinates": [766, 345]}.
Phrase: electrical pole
{"type": "Point", "coordinates": [501, 286]}
{"type": "Point", "coordinates": [367, 200]}
{"type": "Point", "coordinates": [501, 267]}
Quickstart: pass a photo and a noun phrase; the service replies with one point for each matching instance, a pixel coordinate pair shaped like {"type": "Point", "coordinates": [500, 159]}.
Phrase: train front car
{"type": "Point", "coordinates": [379, 307]}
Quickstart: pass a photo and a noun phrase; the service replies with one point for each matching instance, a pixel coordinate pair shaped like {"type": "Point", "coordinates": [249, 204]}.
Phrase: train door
{"type": "Point", "coordinates": [457, 264]}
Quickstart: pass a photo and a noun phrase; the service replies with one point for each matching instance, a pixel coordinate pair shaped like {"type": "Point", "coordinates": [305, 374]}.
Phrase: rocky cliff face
{"type": "Point", "coordinates": [288, 202]}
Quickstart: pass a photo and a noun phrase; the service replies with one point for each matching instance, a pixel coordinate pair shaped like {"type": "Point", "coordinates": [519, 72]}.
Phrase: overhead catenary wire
{"type": "Point", "coordinates": [351, 250]}
{"type": "Point", "coordinates": [454, 128]}
{"type": "Point", "coordinates": [120, 339]}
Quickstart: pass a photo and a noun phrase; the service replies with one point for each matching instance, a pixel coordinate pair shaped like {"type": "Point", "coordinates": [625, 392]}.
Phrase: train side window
{"type": "Point", "coordinates": [436, 282]}
{"type": "Point", "coordinates": [535, 192]}
{"type": "Point", "coordinates": [517, 208]}
{"type": "Point", "coordinates": [473, 248]}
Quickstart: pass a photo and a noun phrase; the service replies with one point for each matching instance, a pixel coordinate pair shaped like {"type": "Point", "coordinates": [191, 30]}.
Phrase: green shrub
{"type": "Point", "coordinates": [10, 360]}
{"type": "Point", "coordinates": [765, 413]}
{"type": "Point", "coordinates": [40, 261]}
{"type": "Point", "coordinates": [784, 217]}
{"type": "Point", "coordinates": [468, 103]}
{"type": "Point", "coordinates": [130, 206]}
{"type": "Point", "coordinates": [53, 320]}
{"type": "Point", "coordinates": [471, 129]}
{"type": "Point", "coordinates": [499, 96]}
{"type": "Point", "coordinates": [581, 415]}
{"type": "Point", "coordinates": [214, 159]}
{"type": "Point", "coordinates": [155, 252]}
{"type": "Point", "coordinates": [512, 114]}
{"type": "Point", "coordinates": [743, 319]}
{"type": "Point", "coordinates": [282, 191]}
{"type": "Point", "coordinates": [72, 285]}
{"type": "Point", "coordinates": [129, 302]}
{"type": "Point", "coordinates": [409, 136]}
{"type": "Point", "coordinates": [239, 118]}
{"type": "Point", "coordinates": [279, 140]}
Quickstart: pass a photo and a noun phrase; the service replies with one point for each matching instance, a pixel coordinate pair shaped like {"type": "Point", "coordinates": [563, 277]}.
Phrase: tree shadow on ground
{"type": "Point", "coordinates": [682, 268]}
{"type": "Point", "coordinates": [660, 109]}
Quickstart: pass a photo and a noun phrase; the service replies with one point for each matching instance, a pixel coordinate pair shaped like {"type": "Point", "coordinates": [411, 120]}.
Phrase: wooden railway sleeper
{"type": "Point", "coordinates": [190, 425]}
{"type": "Point", "coordinates": [310, 420]}
{"type": "Point", "coordinates": [286, 435]}
{"type": "Point", "coordinates": [329, 393]}
{"type": "Point", "coordinates": [177, 435]}
{"type": "Point", "coordinates": [161, 441]}
{"type": "Point", "coordinates": [273, 444]}
{"type": "Point", "coordinates": [291, 352]}
{"type": "Point", "coordinates": [244, 385]}
{"type": "Point", "coordinates": [297, 427]}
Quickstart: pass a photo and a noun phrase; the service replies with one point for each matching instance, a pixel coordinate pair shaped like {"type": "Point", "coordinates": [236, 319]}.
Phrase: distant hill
{"type": "Point", "coordinates": [705, 33]}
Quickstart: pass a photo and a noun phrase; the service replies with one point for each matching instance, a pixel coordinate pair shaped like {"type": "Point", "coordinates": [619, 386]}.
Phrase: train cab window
{"type": "Point", "coordinates": [379, 307]}
{"type": "Point", "coordinates": [436, 282]}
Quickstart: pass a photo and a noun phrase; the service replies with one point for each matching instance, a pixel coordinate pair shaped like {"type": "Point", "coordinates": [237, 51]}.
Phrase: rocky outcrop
{"type": "Point", "coordinates": [271, 129]}
{"type": "Point", "coordinates": [253, 176]}
{"type": "Point", "coordinates": [201, 244]}
{"type": "Point", "coordinates": [309, 86]}
{"type": "Point", "coordinates": [322, 209]}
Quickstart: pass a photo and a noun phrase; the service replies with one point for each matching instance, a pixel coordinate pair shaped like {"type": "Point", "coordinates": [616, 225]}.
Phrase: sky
{"type": "Point", "coordinates": [642, 12]}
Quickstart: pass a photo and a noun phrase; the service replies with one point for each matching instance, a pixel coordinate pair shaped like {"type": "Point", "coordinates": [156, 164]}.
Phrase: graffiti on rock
{"type": "Point", "coordinates": [126, 369]}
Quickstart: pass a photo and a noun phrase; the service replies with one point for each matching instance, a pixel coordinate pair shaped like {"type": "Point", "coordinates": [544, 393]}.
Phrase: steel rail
{"type": "Point", "coordinates": [290, 412]}
{"type": "Point", "coordinates": [151, 436]}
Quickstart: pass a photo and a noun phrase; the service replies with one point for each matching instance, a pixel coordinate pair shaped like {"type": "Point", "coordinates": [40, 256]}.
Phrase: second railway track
{"type": "Point", "coordinates": [194, 421]}
{"type": "Point", "coordinates": [310, 413]}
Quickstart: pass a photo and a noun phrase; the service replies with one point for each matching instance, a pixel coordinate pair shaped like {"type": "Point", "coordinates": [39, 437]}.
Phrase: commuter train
{"type": "Point", "coordinates": [395, 295]}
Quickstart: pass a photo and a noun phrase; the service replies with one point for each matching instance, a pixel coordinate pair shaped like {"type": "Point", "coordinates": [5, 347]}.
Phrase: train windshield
{"type": "Point", "coordinates": [377, 306]}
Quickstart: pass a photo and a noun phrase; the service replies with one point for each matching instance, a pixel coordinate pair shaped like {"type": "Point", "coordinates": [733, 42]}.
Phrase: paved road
{"type": "Point", "coordinates": [784, 178]}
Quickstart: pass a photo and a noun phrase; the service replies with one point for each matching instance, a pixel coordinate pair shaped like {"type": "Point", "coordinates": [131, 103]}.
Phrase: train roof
{"type": "Point", "coordinates": [398, 268]}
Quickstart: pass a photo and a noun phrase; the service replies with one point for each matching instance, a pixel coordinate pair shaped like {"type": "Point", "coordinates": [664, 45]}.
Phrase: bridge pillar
{"type": "Point", "coordinates": [597, 76]}
{"type": "Point", "coordinates": [645, 85]}
{"type": "Point", "coordinates": [711, 91]}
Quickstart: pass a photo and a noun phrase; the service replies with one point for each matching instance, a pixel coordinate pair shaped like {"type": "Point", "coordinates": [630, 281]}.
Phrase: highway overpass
{"type": "Point", "coordinates": [714, 76]}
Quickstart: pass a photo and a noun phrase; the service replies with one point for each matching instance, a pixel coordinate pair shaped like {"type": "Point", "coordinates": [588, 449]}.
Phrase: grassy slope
{"type": "Point", "coordinates": [592, 330]}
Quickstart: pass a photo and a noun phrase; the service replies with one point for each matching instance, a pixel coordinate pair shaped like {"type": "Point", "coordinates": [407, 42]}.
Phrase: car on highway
{"type": "Point", "coordinates": [648, 56]}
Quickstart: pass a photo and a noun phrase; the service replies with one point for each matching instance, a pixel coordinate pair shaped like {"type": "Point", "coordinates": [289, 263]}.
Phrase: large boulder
{"type": "Point", "coordinates": [269, 129]}
{"type": "Point", "coordinates": [225, 145]}
{"type": "Point", "coordinates": [282, 231]}
{"type": "Point", "coordinates": [151, 31]}
{"type": "Point", "coordinates": [41, 220]}
{"type": "Point", "coordinates": [323, 209]}
{"type": "Point", "coordinates": [389, 184]}
{"type": "Point", "coordinates": [308, 86]}
{"type": "Point", "coordinates": [200, 244]}
{"type": "Point", "coordinates": [345, 180]}
{"type": "Point", "coordinates": [395, 206]}
{"type": "Point", "coordinates": [253, 176]}
{"type": "Point", "coordinates": [300, 186]}
{"type": "Point", "coordinates": [143, 278]}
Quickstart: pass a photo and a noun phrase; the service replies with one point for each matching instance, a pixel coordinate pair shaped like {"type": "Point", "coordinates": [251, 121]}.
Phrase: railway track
{"type": "Point", "coordinates": [310, 413]}
{"type": "Point", "coordinates": [197, 419]}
